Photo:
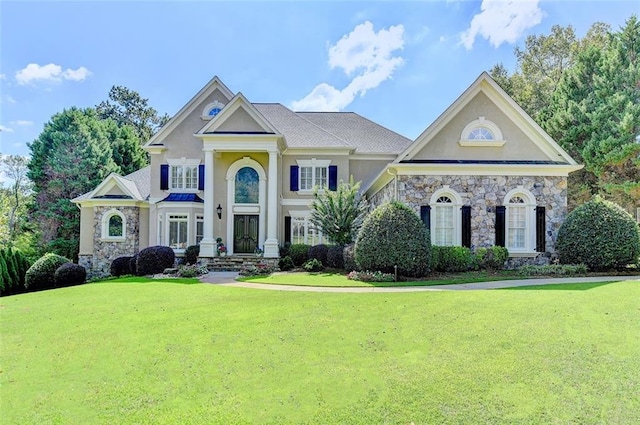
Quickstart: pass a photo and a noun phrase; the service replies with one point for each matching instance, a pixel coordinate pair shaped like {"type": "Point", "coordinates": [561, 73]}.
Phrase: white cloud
{"type": "Point", "coordinates": [502, 21]}
{"type": "Point", "coordinates": [3, 76]}
{"type": "Point", "coordinates": [22, 122]}
{"type": "Point", "coordinates": [10, 99]}
{"type": "Point", "coordinates": [363, 54]}
{"type": "Point", "coordinates": [6, 129]}
{"type": "Point", "coordinates": [50, 73]}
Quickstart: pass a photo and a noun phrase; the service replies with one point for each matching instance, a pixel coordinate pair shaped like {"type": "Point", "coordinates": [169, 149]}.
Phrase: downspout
{"type": "Point", "coordinates": [394, 173]}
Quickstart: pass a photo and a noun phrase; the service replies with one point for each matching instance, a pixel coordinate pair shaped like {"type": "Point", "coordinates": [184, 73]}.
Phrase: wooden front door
{"type": "Point", "coordinates": [245, 234]}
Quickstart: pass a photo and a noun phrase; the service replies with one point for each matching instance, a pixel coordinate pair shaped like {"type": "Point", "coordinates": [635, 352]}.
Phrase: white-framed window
{"type": "Point", "coordinates": [183, 174]}
{"type": "Point", "coordinates": [199, 228]}
{"type": "Point", "coordinates": [481, 132]}
{"type": "Point", "coordinates": [446, 219]}
{"type": "Point", "coordinates": [178, 234]}
{"type": "Point", "coordinates": [183, 177]}
{"type": "Point", "coordinates": [114, 226]}
{"type": "Point", "coordinates": [303, 231]}
{"type": "Point", "coordinates": [212, 109]}
{"type": "Point", "coordinates": [313, 172]}
{"type": "Point", "coordinates": [520, 220]}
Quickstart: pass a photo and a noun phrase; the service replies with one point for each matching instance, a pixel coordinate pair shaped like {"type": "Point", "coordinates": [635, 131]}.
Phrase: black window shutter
{"type": "Point", "coordinates": [541, 229]}
{"type": "Point", "coordinates": [164, 176]}
{"type": "Point", "coordinates": [425, 215]}
{"type": "Point", "coordinates": [333, 177]}
{"type": "Point", "coordinates": [293, 181]}
{"type": "Point", "coordinates": [201, 177]}
{"type": "Point", "coordinates": [500, 217]}
{"type": "Point", "coordinates": [287, 229]}
{"type": "Point", "coordinates": [466, 225]}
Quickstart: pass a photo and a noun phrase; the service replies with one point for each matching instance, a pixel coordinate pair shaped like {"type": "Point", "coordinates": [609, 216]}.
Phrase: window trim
{"type": "Point", "coordinates": [305, 217]}
{"type": "Point", "coordinates": [529, 206]}
{"type": "Point", "coordinates": [168, 222]}
{"type": "Point", "coordinates": [456, 204]}
{"type": "Point", "coordinates": [184, 163]}
{"type": "Point", "coordinates": [482, 122]}
{"type": "Point", "coordinates": [106, 217]}
{"type": "Point", "coordinates": [314, 164]}
{"type": "Point", "coordinates": [215, 104]}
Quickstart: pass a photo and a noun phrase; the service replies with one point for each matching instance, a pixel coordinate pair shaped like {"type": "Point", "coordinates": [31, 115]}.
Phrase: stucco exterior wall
{"type": "Point", "coordinates": [444, 145]}
{"type": "Point", "coordinates": [365, 170]}
{"type": "Point", "coordinates": [86, 231]}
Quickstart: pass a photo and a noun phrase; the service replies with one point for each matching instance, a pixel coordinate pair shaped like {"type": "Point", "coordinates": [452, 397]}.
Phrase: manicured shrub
{"type": "Point", "coordinates": [120, 266]}
{"type": "Point", "coordinates": [492, 258]}
{"type": "Point", "coordinates": [191, 254]}
{"type": "Point", "coordinates": [335, 257]}
{"type": "Point", "coordinates": [393, 235]}
{"type": "Point", "coordinates": [70, 274]}
{"type": "Point", "coordinates": [191, 270]}
{"type": "Point", "coordinates": [154, 259]}
{"type": "Point", "coordinates": [299, 253]}
{"type": "Point", "coordinates": [6, 284]}
{"type": "Point", "coordinates": [133, 269]}
{"type": "Point", "coordinates": [451, 259]}
{"type": "Point", "coordinates": [313, 265]}
{"type": "Point", "coordinates": [284, 249]}
{"type": "Point", "coordinates": [12, 268]}
{"type": "Point", "coordinates": [285, 263]}
{"type": "Point", "coordinates": [349, 258]}
{"type": "Point", "coordinates": [259, 269]}
{"type": "Point", "coordinates": [319, 252]}
{"type": "Point", "coordinates": [600, 235]}
{"type": "Point", "coordinates": [41, 275]}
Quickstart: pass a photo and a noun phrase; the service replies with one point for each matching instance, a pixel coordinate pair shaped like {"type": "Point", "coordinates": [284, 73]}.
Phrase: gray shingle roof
{"type": "Point", "coordinates": [364, 135]}
{"type": "Point", "coordinates": [141, 179]}
{"type": "Point", "coordinates": [298, 132]}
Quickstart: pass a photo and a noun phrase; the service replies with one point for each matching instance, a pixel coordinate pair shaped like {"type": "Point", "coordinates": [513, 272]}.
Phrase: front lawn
{"type": "Point", "coordinates": [163, 353]}
{"type": "Point", "coordinates": [337, 279]}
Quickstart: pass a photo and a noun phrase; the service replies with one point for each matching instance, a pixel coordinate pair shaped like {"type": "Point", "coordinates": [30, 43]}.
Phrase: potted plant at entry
{"type": "Point", "coordinates": [221, 249]}
{"type": "Point", "coordinates": [258, 251]}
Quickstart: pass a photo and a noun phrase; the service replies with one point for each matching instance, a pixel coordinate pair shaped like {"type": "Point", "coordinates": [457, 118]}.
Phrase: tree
{"type": "Point", "coordinates": [339, 214]}
{"type": "Point", "coordinates": [127, 107]}
{"type": "Point", "coordinates": [71, 156]}
{"type": "Point", "coordinates": [15, 167]}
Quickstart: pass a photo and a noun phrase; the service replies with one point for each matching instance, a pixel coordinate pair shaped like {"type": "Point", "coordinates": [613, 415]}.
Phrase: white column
{"type": "Point", "coordinates": [207, 245]}
{"type": "Point", "coordinates": [271, 244]}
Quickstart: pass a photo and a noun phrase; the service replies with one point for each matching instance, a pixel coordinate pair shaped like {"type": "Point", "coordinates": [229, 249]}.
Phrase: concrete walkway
{"type": "Point", "coordinates": [228, 279]}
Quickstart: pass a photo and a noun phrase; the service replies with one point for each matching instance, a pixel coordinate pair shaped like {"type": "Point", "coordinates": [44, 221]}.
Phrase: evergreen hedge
{"type": "Point", "coordinates": [319, 252]}
{"type": "Point", "coordinates": [70, 274]}
{"type": "Point", "coordinates": [299, 253]}
{"type": "Point", "coordinates": [121, 266]}
{"type": "Point", "coordinates": [599, 234]}
{"type": "Point", "coordinates": [393, 235]}
{"type": "Point", "coordinates": [335, 256]}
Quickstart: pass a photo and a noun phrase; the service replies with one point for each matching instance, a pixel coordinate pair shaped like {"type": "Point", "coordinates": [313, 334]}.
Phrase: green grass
{"type": "Point", "coordinates": [160, 353]}
{"type": "Point", "coordinates": [335, 279]}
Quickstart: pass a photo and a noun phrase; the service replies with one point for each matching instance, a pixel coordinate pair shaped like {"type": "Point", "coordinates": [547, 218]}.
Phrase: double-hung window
{"type": "Point", "coordinates": [184, 177]}
{"type": "Point", "coordinates": [314, 173]}
{"type": "Point", "coordinates": [178, 230]}
{"type": "Point", "coordinates": [444, 222]}
{"type": "Point", "coordinates": [303, 231]}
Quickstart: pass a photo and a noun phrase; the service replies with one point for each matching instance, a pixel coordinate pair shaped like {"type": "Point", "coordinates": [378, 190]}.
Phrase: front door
{"type": "Point", "coordinates": [245, 234]}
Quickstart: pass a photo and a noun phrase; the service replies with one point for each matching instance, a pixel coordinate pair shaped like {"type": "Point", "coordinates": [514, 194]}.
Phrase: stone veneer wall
{"type": "Point", "coordinates": [104, 252]}
{"type": "Point", "coordinates": [482, 193]}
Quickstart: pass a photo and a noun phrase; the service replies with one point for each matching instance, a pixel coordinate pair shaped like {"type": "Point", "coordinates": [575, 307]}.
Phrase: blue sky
{"type": "Point", "coordinates": [397, 63]}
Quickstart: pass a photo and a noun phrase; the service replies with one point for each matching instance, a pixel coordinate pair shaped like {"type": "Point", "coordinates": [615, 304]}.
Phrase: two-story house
{"type": "Point", "coordinates": [483, 173]}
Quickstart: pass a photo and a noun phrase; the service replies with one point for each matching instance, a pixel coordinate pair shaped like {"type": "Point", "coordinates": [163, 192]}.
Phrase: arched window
{"type": "Point", "coordinates": [520, 221]}
{"type": "Point", "coordinates": [212, 109]}
{"type": "Point", "coordinates": [481, 132]}
{"type": "Point", "coordinates": [114, 226]}
{"type": "Point", "coordinates": [445, 218]}
{"type": "Point", "coordinates": [247, 186]}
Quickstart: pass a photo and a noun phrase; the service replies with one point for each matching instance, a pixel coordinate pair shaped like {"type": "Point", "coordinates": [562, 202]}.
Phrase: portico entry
{"type": "Point", "coordinates": [245, 233]}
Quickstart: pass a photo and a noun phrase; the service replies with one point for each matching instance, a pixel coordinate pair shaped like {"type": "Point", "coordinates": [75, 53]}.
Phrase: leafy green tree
{"type": "Point", "coordinates": [339, 214]}
{"type": "Point", "coordinates": [127, 107]}
{"type": "Point", "coordinates": [15, 168]}
{"type": "Point", "coordinates": [71, 156]}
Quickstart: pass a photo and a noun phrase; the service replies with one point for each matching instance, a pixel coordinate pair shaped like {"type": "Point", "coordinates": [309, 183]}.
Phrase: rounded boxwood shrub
{"type": "Point", "coordinates": [319, 252]}
{"type": "Point", "coordinates": [41, 275]}
{"type": "Point", "coordinates": [393, 235]}
{"type": "Point", "coordinates": [285, 263]}
{"type": "Point", "coordinates": [492, 258]}
{"type": "Point", "coordinates": [600, 235]}
{"type": "Point", "coordinates": [70, 274]}
{"type": "Point", "coordinates": [191, 254]}
{"type": "Point", "coordinates": [120, 266]}
{"type": "Point", "coordinates": [299, 253]}
{"type": "Point", "coordinates": [451, 259]}
{"type": "Point", "coordinates": [335, 256]}
{"type": "Point", "coordinates": [133, 269]}
{"type": "Point", "coordinates": [154, 259]}
{"type": "Point", "coordinates": [313, 265]}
